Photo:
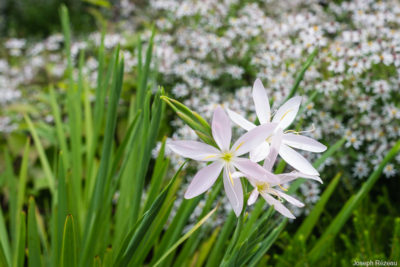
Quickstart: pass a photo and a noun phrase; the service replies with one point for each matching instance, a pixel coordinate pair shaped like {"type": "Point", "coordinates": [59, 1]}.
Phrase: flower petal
{"type": "Point", "coordinates": [204, 179]}
{"type": "Point", "coordinates": [253, 197]}
{"type": "Point", "coordinates": [261, 102]}
{"type": "Point", "coordinates": [239, 120]}
{"type": "Point", "coordinates": [296, 160]}
{"type": "Point", "coordinates": [278, 206]}
{"type": "Point", "coordinates": [255, 171]}
{"type": "Point", "coordinates": [194, 150]}
{"type": "Point", "coordinates": [290, 199]}
{"type": "Point", "coordinates": [234, 192]}
{"type": "Point", "coordinates": [221, 129]}
{"type": "Point", "coordinates": [275, 146]}
{"type": "Point", "coordinates": [287, 112]}
{"type": "Point", "coordinates": [303, 143]}
{"type": "Point", "coordinates": [288, 177]}
{"type": "Point", "coordinates": [260, 152]}
{"type": "Point", "coordinates": [236, 175]}
{"type": "Point", "coordinates": [253, 138]}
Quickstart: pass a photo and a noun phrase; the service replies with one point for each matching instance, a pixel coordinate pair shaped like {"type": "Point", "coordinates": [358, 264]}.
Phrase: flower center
{"type": "Point", "coordinates": [227, 156]}
{"type": "Point", "coordinates": [262, 187]}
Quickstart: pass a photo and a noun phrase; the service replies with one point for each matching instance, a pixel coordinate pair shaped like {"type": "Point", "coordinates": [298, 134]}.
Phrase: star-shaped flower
{"type": "Point", "coordinates": [284, 118]}
{"type": "Point", "coordinates": [226, 158]}
{"type": "Point", "coordinates": [269, 190]}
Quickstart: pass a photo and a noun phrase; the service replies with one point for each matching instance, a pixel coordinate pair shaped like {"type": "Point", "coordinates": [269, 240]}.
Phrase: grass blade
{"type": "Point", "coordinates": [34, 251]}
{"type": "Point", "coordinates": [312, 218]}
{"type": "Point", "coordinates": [136, 234]}
{"type": "Point", "coordinates": [5, 253]}
{"type": "Point", "coordinates": [216, 253]}
{"type": "Point", "coordinates": [266, 244]}
{"type": "Point", "coordinates": [19, 251]}
{"type": "Point", "coordinates": [59, 126]}
{"type": "Point", "coordinates": [96, 213]}
{"type": "Point", "coordinates": [300, 77]}
{"type": "Point", "coordinates": [206, 247]}
{"type": "Point", "coordinates": [160, 169]}
{"type": "Point", "coordinates": [69, 246]}
{"type": "Point", "coordinates": [344, 214]}
{"type": "Point", "coordinates": [42, 156]}
{"type": "Point", "coordinates": [186, 236]}
{"type": "Point", "coordinates": [395, 253]}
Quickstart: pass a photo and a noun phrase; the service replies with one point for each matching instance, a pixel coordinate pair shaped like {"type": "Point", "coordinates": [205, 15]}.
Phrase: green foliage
{"type": "Point", "coordinates": [85, 226]}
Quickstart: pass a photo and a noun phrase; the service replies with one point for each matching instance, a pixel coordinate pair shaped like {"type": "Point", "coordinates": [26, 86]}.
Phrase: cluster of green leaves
{"type": "Point", "coordinates": [372, 234]}
{"type": "Point", "coordinates": [80, 223]}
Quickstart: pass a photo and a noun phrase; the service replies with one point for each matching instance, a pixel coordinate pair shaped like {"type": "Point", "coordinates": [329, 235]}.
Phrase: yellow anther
{"type": "Point", "coordinates": [284, 189]}
{"type": "Point", "coordinates": [209, 157]}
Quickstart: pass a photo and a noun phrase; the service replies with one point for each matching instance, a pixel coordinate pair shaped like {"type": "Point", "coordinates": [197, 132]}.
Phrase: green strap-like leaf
{"type": "Point", "coordinates": [217, 251]}
{"type": "Point", "coordinates": [186, 236]}
{"type": "Point", "coordinates": [69, 246]}
{"type": "Point", "coordinates": [134, 237]}
{"type": "Point", "coordinates": [34, 251]}
{"type": "Point", "coordinates": [19, 251]}
{"type": "Point", "coordinates": [300, 77]}
{"type": "Point", "coordinates": [345, 213]}
{"type": "Point", "coordinates": [42, 155]}
{"type": "Point", "coordinates": [308, 224]}
{"type": "Point", "coordinates": [395, 253]}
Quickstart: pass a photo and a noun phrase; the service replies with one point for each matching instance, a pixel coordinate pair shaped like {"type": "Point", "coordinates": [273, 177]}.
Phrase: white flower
{"type": "Point", "coordinates": [268, 189]}
{"type": "Point", "coordinates": [389, 170]}
{"type": "Point", "coordinates": [283, 117]}
{"type": "Point", "coordinates": [353, 141]}
{"type": "Point", "coordinates": [360, 169]}
{"type": "Point", "coordinates": [226, 158]}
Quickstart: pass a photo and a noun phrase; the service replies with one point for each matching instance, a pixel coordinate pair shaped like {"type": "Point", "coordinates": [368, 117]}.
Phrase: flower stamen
{"type": "Point", "coordinates": [281, 187]}
{"type": "Point", "coordinates": [300, 132]}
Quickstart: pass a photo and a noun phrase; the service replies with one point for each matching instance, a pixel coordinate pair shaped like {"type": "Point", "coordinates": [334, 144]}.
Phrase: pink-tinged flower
{"type": "Point", "coordinates": [226, 158]}
{"type": "Point", "coordinates": [268, 190]}
{"type": "Point", "coordinates": [284, 118]}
